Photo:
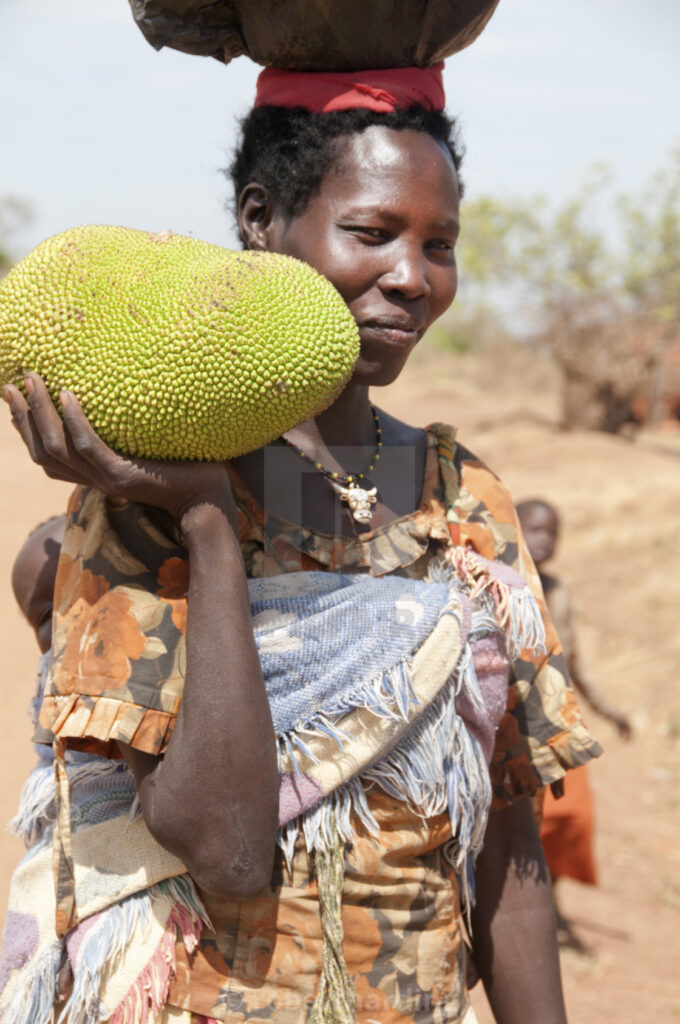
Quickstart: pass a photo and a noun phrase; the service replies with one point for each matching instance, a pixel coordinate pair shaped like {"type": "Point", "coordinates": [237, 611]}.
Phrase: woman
{"type": "Point", "coordinates": [357, 176]}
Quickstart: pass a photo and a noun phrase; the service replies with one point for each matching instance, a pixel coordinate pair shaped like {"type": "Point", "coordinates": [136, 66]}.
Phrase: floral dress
{"type": "Point", "coordinates": [120, 620]}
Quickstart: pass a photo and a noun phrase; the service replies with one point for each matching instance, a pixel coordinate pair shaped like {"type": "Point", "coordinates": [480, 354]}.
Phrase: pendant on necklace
{"type": "Point", "coordinates": [358, 499]}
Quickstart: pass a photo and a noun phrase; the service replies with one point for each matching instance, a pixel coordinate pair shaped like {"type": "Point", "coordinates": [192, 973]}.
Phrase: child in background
{"type": "Point", "coordinates": [567, 829]}
{"type": "Point", "coordinates": [30, 913]}
{"type": "Point", "coordinates": [33, 576]}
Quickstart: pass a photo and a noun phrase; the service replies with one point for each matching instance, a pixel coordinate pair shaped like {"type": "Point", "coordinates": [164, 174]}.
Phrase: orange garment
{"type": "Point", "coordinates": [568, 824]}
{"type": "Point", "coordinates": [568, 828]}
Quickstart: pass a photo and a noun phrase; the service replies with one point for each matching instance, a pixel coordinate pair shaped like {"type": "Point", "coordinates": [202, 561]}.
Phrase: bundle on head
{"type": "Point", "coordinates": [176, 348]}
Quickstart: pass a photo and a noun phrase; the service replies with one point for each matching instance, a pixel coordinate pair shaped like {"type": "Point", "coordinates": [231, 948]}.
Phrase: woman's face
{"type": "Point", "coordinates": [382, 229]}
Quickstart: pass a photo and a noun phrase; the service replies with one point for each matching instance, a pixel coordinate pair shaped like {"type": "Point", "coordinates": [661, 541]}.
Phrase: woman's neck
{"type": "Point", "coordinates": [343, 440]}
{"type": "Point", "coordinates": [348, 421]}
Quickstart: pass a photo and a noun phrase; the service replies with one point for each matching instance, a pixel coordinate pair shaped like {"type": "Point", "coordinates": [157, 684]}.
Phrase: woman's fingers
{"type": "Point", "coordinates": [21, 420]}
{"type": "Point", "coordinates": [83, 438]}
{"type": "Point", "coordinates": [71, 450]}
{"type": "Point", "coordinates": [27, 427]}
{"type": "Point", "coordinates": [45, 419]}
{"type": "Point", "coordinates": [71, 442]}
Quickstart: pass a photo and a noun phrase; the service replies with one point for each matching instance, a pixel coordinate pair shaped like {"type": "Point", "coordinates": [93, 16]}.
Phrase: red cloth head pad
{"type": "Point", "coordinates": [324, 91]}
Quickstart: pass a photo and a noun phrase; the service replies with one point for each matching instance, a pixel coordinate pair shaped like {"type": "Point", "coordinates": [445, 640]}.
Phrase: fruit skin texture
{"type": "Point", "coordinates": [176, 348]}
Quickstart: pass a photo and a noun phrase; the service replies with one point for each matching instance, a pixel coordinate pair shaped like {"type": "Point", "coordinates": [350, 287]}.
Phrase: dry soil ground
{"type": "Point", "coordinates": [620, 551]}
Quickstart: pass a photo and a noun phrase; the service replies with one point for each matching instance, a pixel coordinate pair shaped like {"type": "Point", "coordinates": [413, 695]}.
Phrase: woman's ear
{"type": "Point", "coordinates": [258, 220]}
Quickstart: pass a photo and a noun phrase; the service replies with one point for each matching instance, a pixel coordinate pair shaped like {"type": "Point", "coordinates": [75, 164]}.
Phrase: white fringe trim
{"type": "Point", "coordinates": [107, 941]}
{"type": "Point", "coordinates": [437, 767]}
{"type": "Point", "coordinates": [33, 1001]}
{"type": "Point", "coordinates": [37, 805]}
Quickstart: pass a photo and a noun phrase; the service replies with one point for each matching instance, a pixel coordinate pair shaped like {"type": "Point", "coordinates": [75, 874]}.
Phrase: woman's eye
{"type": "Point", "coordinates": [367, 233]}
{"type": "Point", "coordinates": [441, 245]}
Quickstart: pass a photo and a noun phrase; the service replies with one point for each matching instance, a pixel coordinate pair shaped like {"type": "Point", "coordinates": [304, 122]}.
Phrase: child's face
{"type": "Point", "coordinates": [33, 576]}
{"type": "Point", "coordinates": [541, 530]}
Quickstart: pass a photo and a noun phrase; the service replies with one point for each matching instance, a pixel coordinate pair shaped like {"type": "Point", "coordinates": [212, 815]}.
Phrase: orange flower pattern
{"type": "Point", "coordinates": [117, 674]}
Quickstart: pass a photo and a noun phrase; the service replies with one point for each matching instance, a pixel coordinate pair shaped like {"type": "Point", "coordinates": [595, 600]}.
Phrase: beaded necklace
{"type": "Point", "coordinates": [359, 499]}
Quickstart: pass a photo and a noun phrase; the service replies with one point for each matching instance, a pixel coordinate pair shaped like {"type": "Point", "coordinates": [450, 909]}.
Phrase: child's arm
{"type": "Point", "coordinates": [592, 694]}
{"type": "Point", "coordinates": [578, 673]}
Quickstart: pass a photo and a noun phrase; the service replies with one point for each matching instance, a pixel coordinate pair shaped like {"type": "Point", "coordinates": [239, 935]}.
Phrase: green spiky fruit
{"type": "Point", "coordinates": [176, 348]}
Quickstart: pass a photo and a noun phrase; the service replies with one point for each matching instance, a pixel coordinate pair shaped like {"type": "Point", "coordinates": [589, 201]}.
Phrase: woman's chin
{"type": "Point", "coordinates": [377, 373]}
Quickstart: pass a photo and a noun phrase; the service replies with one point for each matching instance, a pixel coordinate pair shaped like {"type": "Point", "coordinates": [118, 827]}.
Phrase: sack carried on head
{"type": "Point", "coordinates": [315, 35]}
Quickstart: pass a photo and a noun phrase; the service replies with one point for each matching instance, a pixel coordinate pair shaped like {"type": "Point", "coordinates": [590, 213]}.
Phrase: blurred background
{"type": "Point", "coordinates": [559, 362]}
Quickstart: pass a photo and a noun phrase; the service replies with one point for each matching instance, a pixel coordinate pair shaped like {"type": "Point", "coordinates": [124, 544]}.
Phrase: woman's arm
{"type": "Point", "coordinates": [213, 798]}
{"type": "Point", "coordinates": [513, 922]}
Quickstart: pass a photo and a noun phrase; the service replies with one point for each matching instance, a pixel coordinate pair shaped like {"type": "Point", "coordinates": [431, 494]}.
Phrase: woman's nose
{"type": "Point", "coordinates": [407, 275]}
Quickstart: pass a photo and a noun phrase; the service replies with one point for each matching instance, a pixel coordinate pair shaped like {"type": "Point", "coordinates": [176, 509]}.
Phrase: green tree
{"type": "Point", "coordinates": [651, 226]}
{"type": "Point", "coordinates": [15, 213]}
{"type": "Point", "coordinates": [607, 310]}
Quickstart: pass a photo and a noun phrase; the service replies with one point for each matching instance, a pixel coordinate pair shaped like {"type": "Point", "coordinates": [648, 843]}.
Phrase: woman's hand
{"type": "Point", "coordinates": [69, 449]}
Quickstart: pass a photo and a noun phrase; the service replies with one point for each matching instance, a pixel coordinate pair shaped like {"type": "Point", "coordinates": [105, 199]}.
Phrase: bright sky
{"type": "Point", "coordinates": [98, 127]}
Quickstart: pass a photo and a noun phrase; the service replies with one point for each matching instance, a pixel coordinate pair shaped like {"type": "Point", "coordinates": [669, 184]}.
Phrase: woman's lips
{"type": "Point", "coordinates": [394, 332]}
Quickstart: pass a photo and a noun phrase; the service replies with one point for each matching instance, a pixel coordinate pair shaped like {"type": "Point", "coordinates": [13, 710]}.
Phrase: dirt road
{"type": "Point", "coordinates": [620, 551]}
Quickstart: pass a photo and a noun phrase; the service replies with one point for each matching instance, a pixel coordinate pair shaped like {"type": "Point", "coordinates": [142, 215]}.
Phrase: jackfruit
{"type": "Point", "coordinates": [176, 348]}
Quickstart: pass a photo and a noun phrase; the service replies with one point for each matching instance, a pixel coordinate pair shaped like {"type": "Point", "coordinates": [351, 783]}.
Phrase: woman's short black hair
{"type": "Point", "coordinates": [289, 150]}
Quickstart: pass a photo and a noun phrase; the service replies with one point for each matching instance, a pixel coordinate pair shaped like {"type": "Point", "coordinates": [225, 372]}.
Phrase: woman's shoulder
{"type": "Point", "coordinates": [118, 560]}
{"type": "Point", "coordinates": [98, 526]}
{"type": "Point", "coordinates": [473, 491]}
{"type": "Point", "coordinates": [399, 431]}
{"type": "Point", "coordinates": [453, 451]}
